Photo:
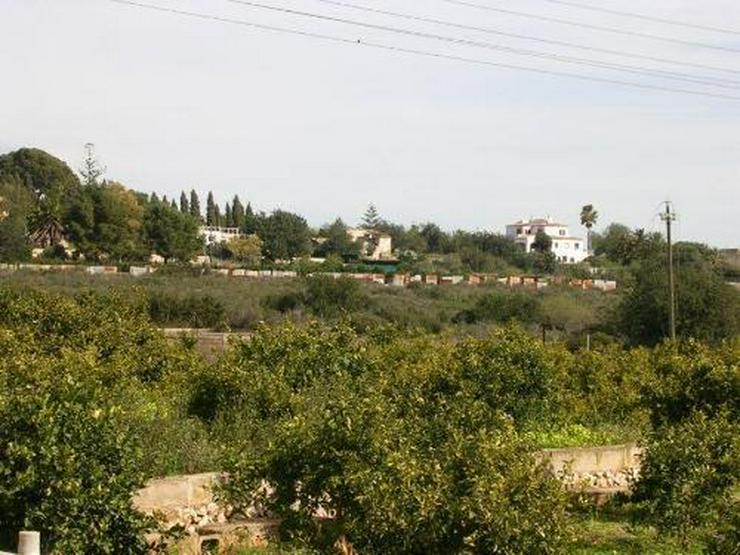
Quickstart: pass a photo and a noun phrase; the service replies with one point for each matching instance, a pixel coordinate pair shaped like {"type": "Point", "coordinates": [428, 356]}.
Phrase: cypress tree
{"type": "Point", "coordinates": [184, 208]}
{"type": "Point", "coordinates": [195, 205]}
{"type": "Point", "coordinates": [237, 212]}
{"type": "Point", "coordinates": [211, 210]}
{"type": "Point", "coordinates": [228, 217]}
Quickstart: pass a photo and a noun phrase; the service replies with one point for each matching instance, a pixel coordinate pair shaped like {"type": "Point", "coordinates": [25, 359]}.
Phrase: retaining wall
{"type": "Point", "coordinates": [582, 460]}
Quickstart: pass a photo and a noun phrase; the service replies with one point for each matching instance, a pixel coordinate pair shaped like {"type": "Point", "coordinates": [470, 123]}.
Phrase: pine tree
{"type": "Point", "coordinates": [91, 170]}
{"type": "Point", "coordinates": [218, 219]}
{"type": "Point", "coordinates": [195, 205]}
{"type": "Point", "coordinates": [184, 208]}
{"type": "Point", "coordinates": [173, 204]}
{"type": "Point", "coordinates": [237, 212]}
{"type": "Point", "coordinates": [371, 218]}
{"type": "Point", "coordinates": [153, 198]}
{"type": "Point", "coordinates": [211, 208]}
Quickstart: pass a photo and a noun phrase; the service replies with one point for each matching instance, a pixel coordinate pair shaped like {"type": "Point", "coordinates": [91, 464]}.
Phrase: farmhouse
{"type": "Point", "coordinates": [374, 245]}
{"type": "Point", "coordinates": [565, 247]}
{"type": "Point", "coordinates": [214, 235]}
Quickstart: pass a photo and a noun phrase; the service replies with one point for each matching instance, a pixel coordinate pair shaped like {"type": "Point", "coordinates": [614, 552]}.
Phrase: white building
{"type": "Point", "coordinates": [566, 248]}
{"type": "Point", "coordinates": [374, 245]}
{"type": "Point", "coordinates": [214, 235]}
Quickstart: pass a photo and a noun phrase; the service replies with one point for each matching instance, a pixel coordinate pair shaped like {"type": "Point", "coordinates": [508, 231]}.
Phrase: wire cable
{"type": "Point", "coordinates": [559, 57]}
{"type": "Point", "coordinates": [592, 26]}
{"type": "Point", "coordinates": [553, 42]}
{"type": "Point", "coordinates": [644, 17]}
{"type": "Point", "coordinates": [490, 46]}
{"type": "Point", "coordinates": [419, 52]}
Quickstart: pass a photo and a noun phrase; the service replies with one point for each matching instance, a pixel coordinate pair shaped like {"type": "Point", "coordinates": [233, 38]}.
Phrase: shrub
{"type": "Point", "coordinates": [503, 308]}
{"type": "Point", "coordinates": [688, 472]}
{"type": "Point", "coordinates": [68, 457]}
{"type": "Point", "coordinates": [192, 311]}
{"type": "Point", "coordinates": [690, 376]}
{"type": "Point", "coordinates": [402, 439]}
{"type": "Point", "coordinates": [326, 296]}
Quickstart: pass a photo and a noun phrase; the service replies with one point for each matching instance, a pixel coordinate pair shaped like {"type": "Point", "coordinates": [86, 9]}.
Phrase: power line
{"type": "Point", "coordinates": [520, 51]}
{"type": "Point", "coordinates": [419, 52]}
{"type": "Point", "coordinates": [554, 42]}
{"type": "Point", "coordinates": [643, 17]}
{"type": "Point", "coordinates": [490, 46]}
{"type": "Point", "coordinates": [592, 26]}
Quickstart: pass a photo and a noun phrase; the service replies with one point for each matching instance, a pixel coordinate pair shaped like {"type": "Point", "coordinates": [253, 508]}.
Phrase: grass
{"type": "Point", "coordinates": [597, 536]}
{"type": "Point", "coordinates": [244, 303]}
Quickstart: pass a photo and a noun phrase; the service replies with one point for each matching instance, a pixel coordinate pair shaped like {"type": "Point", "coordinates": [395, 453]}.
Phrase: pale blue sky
{"type": "Point", "coordinates": [323, 128]}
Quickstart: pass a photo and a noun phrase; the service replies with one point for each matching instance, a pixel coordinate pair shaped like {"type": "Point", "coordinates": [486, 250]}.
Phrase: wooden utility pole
{"type": "Point", "coordinates": [669, 217]}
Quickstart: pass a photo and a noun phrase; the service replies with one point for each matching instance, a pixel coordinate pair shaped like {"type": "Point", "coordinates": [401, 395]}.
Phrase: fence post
{"type": "Point", "coordinates": [29, 543]}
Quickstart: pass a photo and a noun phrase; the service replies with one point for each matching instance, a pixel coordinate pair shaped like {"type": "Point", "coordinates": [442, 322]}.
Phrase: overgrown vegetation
{"type": "Point", "coordinates": [408, 416]}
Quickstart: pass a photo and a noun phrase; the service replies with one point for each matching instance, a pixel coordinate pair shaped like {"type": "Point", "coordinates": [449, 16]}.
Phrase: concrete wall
{"type": "Point", "coordinates": [170, 495]}
{"type": "Point", "coordinates": [582, 460]}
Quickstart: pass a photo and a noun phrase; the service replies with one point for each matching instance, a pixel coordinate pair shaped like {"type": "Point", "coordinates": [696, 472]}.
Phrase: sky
{"type": "Point", "coordinates": [324, 128]}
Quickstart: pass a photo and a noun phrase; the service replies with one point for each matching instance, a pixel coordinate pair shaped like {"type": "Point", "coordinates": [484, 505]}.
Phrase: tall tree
{"type": "Point", "coordinates": [195, 205]}
{"type": "Point", "coordinates": [118, 223]}
{"type": "Point", "coordinates": [285, 236]}
{"type": "Point", "coordinates": [589, 216]}
{"type": "Point", "coordinates": [251, 221]}
{"type": "Point", "coordinates": [371, 217]}
{"type": "Point", "coordinates": [237, 212]}
{"type": "Point", "coordinates": [91, 170]}
{"type": "Point", "coordinates": [708, 309]}
{"type": "Point", "coordinates": [54, 187]}
{"type": "Point", "coordinates": [172, 234]}
{"type": "Point", "coordinates": [228, 218]}
{"type": "Point", "coordinates": [15, 200]}
{"type": "Point", "coordinates": [211, 216]}
{"type": "Point", "coordinates": [337, 241]}
{"type": "Point", "coordinates": [184, 207]}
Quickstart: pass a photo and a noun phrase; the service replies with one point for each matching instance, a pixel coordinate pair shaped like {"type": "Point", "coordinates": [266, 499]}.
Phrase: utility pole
{"type": "Point", "coordinates": [669, 217]}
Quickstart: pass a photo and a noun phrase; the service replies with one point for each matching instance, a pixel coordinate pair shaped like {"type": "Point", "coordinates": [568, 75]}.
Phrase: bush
{"type": "Point", "coordinates": [326, 296]}
{"type": "Point", "coordinates": [689, 377]}
{"type": "Point", "coordinates": [191, 311]}
{"type": "Point", "coordinates": [68, 457]}
{"type": "Point", "coordinates": [688, 473]}
{"type": "Point", "coordinates": [403, 439]}
{"type": "Point", "coordinates": [503, 308]}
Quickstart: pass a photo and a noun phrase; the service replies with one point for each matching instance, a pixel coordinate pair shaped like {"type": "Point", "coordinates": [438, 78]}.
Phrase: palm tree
{"type": "Point", "coordinates": [588, 219]}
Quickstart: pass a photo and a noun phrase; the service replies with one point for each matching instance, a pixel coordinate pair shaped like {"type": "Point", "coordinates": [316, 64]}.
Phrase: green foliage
{"type": "Point", "coordinates": [371, 218]}
{"type": "Point", "coordinates": [326, 296]}
{"type": "Point", "coordinates": [542, 242]}
{"type": "Point", "coordinates": [337, 241]}
{"type": "Point", "coordinates": [191, 311]}
{"type": "Point", "coordinates": [503, 307]}
{"type": "Point", "coordinates": [422, 459]}
{"type": "Point", "coordinates": [79, 413]}
{"type": "Point", "coordinates": [15, 204]}
{"type": "Point", "coordinates": [707, 308]}
{"type": "Point", "coordinates": [688, 472]}
{"type": "Point", "coordinates": [41, 172]}
{"type": "Point", "coordinates": [284, 235]}
{"type": "Point", "coordinates": [690, 377]}
{"type": "Point", "coordinates": [68, 458]}
{"type": "Point", "coordinates": [245, 249]}
{"type": "Point", "coordinates": [171, 233]}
